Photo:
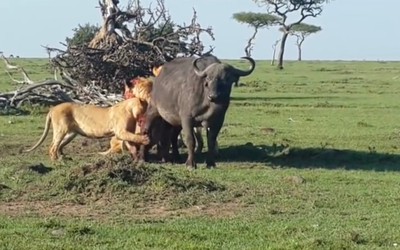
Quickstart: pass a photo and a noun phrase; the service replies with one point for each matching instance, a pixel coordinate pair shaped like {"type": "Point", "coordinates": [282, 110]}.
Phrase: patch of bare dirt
{"type": "Point", "coordinates": [86, 145]}
{"type": "Point", "coordinates": [10, 149]}
{"type": "Point", "coordinates": [101, 212]}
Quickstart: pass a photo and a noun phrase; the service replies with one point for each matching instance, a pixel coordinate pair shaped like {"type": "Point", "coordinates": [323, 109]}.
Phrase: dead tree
{"type": "Point", "coordinates": [250, 42]}
{"type": "Point", "coordinates": [274, 45]}
{"type": "Point", "coordinates": [8, 65]}
{"type": "Point", "coordinates": [129, 43]}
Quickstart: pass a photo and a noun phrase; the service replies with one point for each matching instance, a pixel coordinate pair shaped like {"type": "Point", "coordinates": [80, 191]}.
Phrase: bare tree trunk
{"type": "Point", "coordinates": [299, 42]}
{"type": "Point", "coordinates": [273, 57]}
{"type": "Point", "coordinates": [249, 46]}
{"type": "Point", "coordinates": [274, 51]}
{"type": "Point", "coordinates": [299, 52]}
{"type": "Point", "coordinates": [282, 51]}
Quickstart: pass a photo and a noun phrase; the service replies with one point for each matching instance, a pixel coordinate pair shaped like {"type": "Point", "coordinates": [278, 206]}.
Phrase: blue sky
{"type": "Point", "coordinates": [352, 29]}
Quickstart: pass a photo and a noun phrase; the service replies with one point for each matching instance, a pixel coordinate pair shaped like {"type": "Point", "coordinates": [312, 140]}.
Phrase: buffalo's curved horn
{"type": "Point", "coordinates": [196, 69]}
{"type": "Point", "coordinates": [201, 73]}
{"type": "Point", "coordinates": [240, 72]}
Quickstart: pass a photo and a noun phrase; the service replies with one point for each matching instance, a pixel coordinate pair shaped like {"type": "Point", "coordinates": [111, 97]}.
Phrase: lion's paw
{"type": "Point", "coordinates": [145, 140]}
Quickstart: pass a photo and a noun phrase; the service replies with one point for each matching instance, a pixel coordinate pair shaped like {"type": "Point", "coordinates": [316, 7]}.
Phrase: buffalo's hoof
{"type": "Point", "coordinates": [139, 164]}
{"type": "Point", "coordinates": [190, 168]}
{"type": "Point", "coordinates": [191, 165]}
{"type": "Point", "coordinates": [166, 159]}
{"type": "Point", "coordinates": [211, 164]}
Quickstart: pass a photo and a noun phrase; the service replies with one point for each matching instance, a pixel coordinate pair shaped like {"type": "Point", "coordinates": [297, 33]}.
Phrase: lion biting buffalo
{"type": "Point", "coordinates": [187, 93]}
{"type": "Point", "coordinates": [191, 92]}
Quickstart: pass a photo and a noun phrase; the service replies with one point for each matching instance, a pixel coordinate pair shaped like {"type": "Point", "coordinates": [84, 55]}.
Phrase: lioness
{"type": "Point", "coordinates": [116, 145]}
{"type": "Point", "coordinates": [70, 119]}
{"type": "Point", "coordinates": [131, 91]}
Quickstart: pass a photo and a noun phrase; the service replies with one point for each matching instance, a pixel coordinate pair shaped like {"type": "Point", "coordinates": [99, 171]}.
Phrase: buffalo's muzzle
{"type": "Point", "coordinates": [212, 97]}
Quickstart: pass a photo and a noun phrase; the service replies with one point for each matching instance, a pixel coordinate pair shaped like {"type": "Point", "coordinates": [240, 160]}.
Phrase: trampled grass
{"type": "Point", "coordinates": [309, 159]}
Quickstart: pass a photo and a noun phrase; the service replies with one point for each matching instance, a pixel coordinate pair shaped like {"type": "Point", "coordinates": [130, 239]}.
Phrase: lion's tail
{"type": "Point", "coordinates": [45, 132]}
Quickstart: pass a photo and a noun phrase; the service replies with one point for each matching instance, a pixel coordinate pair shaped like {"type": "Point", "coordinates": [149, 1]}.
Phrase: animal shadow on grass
{"type": "Point", "coordinates": [40, 169]}
{"type": "Point", "coordinates": [284, 156]}
{"type": "Point", "coordinates": [270, 98]}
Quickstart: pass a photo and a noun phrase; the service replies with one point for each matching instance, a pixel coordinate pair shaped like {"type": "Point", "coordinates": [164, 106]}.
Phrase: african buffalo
{"type": "Point", "coordinates": [192, 92]}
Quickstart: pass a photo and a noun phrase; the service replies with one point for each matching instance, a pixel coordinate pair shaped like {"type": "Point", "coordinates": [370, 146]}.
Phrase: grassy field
{"type": "Point", "coordinates": [309, 159]}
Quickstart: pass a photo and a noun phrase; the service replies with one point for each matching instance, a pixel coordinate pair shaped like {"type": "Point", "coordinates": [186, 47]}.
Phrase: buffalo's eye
{"type": "Point", "coordinates": [207, 81]}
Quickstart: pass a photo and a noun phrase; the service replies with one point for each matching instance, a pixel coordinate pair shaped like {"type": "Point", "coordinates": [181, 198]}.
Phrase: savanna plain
{"type": "Point", "coordinates": [309, 159]}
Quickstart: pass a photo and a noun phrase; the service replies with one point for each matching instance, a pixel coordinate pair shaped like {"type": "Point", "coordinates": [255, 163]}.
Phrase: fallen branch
{"type": "Point", "coordinates": [8, 65]}
{"type": "Point", "coordinates": [52, 92]}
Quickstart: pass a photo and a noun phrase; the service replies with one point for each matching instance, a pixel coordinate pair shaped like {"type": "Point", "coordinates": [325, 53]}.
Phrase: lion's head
{"type": "Point", "coordinates": [142, 88]}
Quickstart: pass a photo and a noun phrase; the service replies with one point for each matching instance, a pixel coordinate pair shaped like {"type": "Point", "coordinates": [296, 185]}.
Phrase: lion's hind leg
{"type": "Point", "coordinates": [54, 151]}
{"type": "Point", "coordinates": [116, 147]}
{"type": "Point", "coordinates": [60, 130]}
{"type": "Point", "coordinates": [67, 139]}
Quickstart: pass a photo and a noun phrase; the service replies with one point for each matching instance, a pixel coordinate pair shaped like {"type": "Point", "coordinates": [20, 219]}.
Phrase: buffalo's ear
{"type": "Point", "coordinates": [156, 70]}
{"type": "Point", "coordinates": [236, 82]}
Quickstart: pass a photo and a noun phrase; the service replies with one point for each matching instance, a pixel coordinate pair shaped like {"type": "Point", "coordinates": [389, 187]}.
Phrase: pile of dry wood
{"type": "Point", "coordinates": [129, 43]}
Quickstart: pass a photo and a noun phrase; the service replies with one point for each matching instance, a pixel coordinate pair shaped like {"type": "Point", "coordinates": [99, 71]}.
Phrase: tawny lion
{"type": "Point", "coordinates": [119, 120]}
{"type": "Point", "coordinates": [117, 145]}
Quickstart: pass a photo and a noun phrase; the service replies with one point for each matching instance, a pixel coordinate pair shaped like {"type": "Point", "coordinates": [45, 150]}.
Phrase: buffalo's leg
{"type": "Point", "coordinates": [216, 147]}
{"type": "Point", "coordinates": [150, 115]}
{"type": "Point", "coordinates": [164, 141]}
{"type": "Point", "coordinates": [212, 134]}
{"type": "Point", "coordinates": [199, 139]}
{"type": "Point", "coordinates": [163, 150]}
{"type": "Point", "coordinates": [187, 127]}
{"type": "Point", "coordinates": [175, 131]}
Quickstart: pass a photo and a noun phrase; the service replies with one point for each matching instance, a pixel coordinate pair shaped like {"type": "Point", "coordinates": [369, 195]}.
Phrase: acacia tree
{"type": "Point", "coordinates": [293, 9]}
{"type": "Point", "coordinates": [301, 31]}
{"type": "Point", "coordinates": [82, 34]}
{"type": "Point", "coordinates": [256, 21]}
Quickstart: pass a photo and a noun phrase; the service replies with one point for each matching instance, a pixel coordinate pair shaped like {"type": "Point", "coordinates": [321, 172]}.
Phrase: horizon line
{"type": "Point", "coordinates": [269, 59]}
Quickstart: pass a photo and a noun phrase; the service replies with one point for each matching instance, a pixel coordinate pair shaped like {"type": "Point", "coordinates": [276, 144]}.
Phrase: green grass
{"type": "Point", "coordinates": [309, 159]}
